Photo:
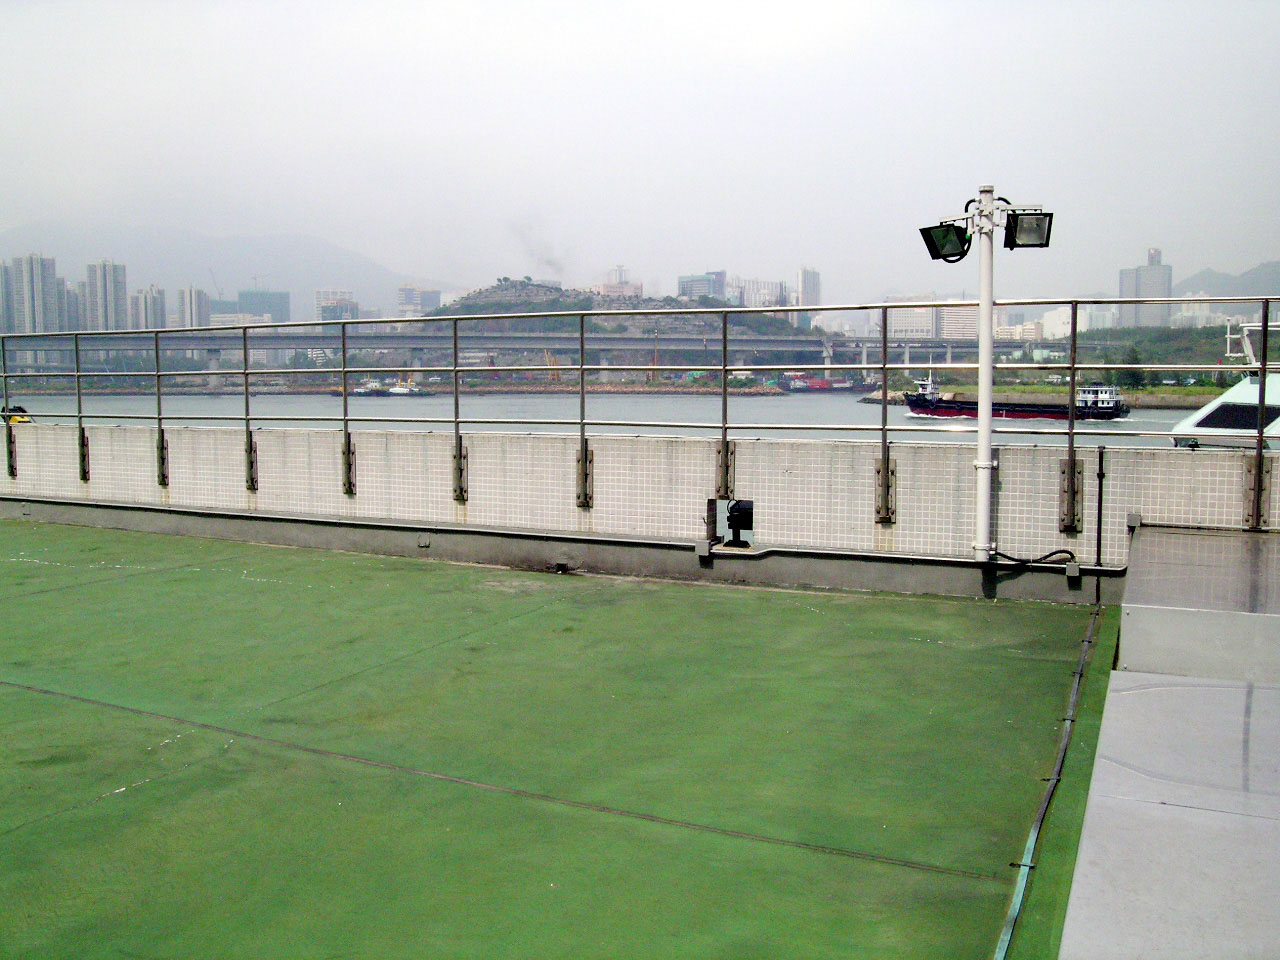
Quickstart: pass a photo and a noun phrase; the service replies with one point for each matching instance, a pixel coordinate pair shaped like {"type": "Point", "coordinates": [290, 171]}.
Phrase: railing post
{"type": "Point", "coordinates": [82, 439]}
{"type": "Point", "coordinates": [585, 456]}
{"type": "Point", "coordinates": [348, 453]}
{"type": "Point", "coordinates": [10, 446]}
{"type": "Point", "coordinates": [250, 446]}
{"type": "Point", "coordinates": [886, 469]}
{"type": "Point", "coordinates": [1070, 472]}
{"type": "Point", "coordinates": [1098, 521]}
{"type": "Point", "coordinates": [459, 451]}
{"type": "Point", "coordinates": [162, 445]}
{"type": "Point", "coordinates": [724, 456]}
{"type": "Point", "coordinates": [1259, 487]}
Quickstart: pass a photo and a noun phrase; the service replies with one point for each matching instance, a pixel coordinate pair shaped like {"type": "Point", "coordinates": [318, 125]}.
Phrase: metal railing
{"type": "Point", "coordinates": [455, 370]}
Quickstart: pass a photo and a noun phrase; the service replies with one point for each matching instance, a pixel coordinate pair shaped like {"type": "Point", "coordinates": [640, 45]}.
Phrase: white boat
{"type": "Point", "coordinates": [1231, 418]}
{"type": "Point", "coordinates": [1233, 412]}
{"type": "Point", "coordinates": [404, 388]}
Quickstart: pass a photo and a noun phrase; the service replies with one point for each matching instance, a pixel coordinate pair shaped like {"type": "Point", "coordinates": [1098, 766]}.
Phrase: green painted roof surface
{"type": "Point", "coordinates": [269, 751]}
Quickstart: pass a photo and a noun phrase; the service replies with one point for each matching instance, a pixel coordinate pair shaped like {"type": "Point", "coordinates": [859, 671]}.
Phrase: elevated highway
{"type": "Point", "coordinates": [743, 347]}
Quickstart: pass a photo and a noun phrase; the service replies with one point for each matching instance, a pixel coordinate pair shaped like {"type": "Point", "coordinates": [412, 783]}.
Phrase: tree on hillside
{"type": "Point", "coordinates": [1106, 376]}
{"type": "Point", "coordinates": [1132, 378]}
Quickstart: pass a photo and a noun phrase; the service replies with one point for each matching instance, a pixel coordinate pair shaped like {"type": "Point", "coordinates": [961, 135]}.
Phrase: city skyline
{"type": "Point", "coordinates": [34, 298]}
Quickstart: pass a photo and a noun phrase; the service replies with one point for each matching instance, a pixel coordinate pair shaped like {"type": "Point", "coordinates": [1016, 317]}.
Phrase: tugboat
{"type": "Point", "coordinates": [404, 388]}
{"type": "Point", "coordinates": [1097, 401]}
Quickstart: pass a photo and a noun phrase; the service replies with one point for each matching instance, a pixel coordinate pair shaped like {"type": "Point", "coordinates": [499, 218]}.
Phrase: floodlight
{"type": "Point", "coordinates": [1027, 229]}
{"type": "Point", "coordinates": [946, 241]}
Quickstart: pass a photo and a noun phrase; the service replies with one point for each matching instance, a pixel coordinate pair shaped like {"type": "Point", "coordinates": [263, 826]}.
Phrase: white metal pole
{"type": "Point", "coordinates": [984, 226]}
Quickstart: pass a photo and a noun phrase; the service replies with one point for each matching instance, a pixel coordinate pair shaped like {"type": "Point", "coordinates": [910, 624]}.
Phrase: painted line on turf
{"type": "Point", "coordinates": [517, 792]}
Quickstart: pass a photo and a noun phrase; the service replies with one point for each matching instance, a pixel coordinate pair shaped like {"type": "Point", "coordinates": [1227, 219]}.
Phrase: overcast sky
{"type": "Point", "coordinates": [461, 141]}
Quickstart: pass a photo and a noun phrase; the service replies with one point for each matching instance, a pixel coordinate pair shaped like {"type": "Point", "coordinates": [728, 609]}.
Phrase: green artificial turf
{"type": "Point", "coordinates": [840, 775]}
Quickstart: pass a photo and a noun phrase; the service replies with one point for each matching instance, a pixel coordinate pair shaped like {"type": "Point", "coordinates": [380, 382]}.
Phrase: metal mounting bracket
{"type": "Point", "coordinates": [348, 465]}
{"type": "Point", "coordinates": [725, 456]}
{"type": "Point", "coordinates": [84, 455]}
{"type": "Point", "coordinates": [586, 477]}
{"type": "Point", "coordinates": [162, 458]}
{"type": "Point", "coordinates": [1070, 495]}
{"type": "Point", "coordinates": [1251, 484]}
{"type": "Point", "coordinates": [250, 463]}
{"type": "Point", "coordinates": [460, 473]}
{"type": "Point", "coordinates": [887, 491]}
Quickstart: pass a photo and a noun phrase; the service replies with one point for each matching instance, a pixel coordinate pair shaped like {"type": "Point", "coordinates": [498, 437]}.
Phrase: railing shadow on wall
{"type": "Point", "coordinates": [83, 357]}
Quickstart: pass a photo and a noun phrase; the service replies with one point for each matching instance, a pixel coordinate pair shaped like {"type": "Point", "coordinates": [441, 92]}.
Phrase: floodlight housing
{"type": "Point", "coordinates": [1027, 229]}
{"type": "Point", "coordinates": [946, 241]}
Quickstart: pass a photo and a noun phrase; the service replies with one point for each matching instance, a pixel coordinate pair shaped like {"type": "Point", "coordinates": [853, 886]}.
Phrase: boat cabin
{"type": "Point", "coordinates": [928, 390]}
{"type": "Point", "coordinates": [1098, 396]}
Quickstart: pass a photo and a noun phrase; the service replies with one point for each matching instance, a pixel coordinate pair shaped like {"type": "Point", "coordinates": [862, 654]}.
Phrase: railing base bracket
{"type": "Point", "coordinates": [1070, 487]}
{"type": "Point", "coordinates": [162, 458]}
{"type": "Point", "coordinates": [1257, 493]}
{"type": "Point", "coordinates": [460, 473]}
{"type": "Point", "coordinates": [886, 491]}
{"type": "Point", "coordinates": [586, 477]}
{"type": "Point", "coordinates": [725, 455]}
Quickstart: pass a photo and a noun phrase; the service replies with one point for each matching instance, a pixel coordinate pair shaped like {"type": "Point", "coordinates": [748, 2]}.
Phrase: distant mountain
{"type": "Point", "coordinates": [1262, 280]}
{"type": "Point", "coordinates": [173, 258]}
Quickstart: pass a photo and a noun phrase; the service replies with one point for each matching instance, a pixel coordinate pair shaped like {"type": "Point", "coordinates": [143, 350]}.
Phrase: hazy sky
{"type": "Point", "coordinates": [461, 141]}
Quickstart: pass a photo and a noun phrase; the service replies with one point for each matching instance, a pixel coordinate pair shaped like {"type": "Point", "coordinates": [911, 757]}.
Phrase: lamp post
{"type": "Point", "coordinates": [1025, 226]}
{"type": "Point", "coordinates": [984, 222]}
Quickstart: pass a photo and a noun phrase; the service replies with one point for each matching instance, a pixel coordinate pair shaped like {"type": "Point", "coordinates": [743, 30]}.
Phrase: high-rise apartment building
{"type": "Point", "coordinates": [695, 285]}
{"type": "Point", "coordinates": [71, 303]}
{"type": "Point", "coordinates": [6, 298]}
{"type": "Point", "coordinates": [414, 301]}
{"type": "Point", "coordinates": [193, 307]}
{"type": "Point", "coordinates": [808, 288]}
{"type": "Point", "coordinates": [338, 310]}
{"type": "Point", "coordinates": [958, 322]}
{"type": "Point", "coordinates": [807, 293]}
{"type": "Point", "coordinates": [749, 292]}
{"type": "Point", "coordinates": [107, 307]}
{"type": "Point", "coordinates": [35, 295]}
{"type": "Point", "coordinates": [913, 323]}
{"type": "Point", "coordinates": [147, 309]}
{"type": "Point", "coordinates": [332, 296]}
{"type": "Point", "coordinates": [1153, 280]}
{"type": "Point", "coordinates": [265, 303]}
{"type": "Point", "coordinates": [618, 284]}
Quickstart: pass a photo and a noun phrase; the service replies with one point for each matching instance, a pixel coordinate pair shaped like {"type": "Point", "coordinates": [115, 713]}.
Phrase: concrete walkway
{"type": "Point", "coordinates": [1177, 856]}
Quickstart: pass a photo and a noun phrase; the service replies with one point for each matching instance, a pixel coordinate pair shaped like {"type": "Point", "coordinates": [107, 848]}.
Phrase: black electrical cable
{"type": "Point", "coordinates": [1023, 562]}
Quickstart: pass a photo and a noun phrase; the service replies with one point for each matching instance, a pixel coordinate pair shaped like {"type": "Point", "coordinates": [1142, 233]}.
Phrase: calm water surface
{"type": "Point", "coordinates": [756, 415]}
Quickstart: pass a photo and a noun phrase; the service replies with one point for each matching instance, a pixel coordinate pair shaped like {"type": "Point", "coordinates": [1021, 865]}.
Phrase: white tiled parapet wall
{"type": "Point", "coordinates": [807, 493]}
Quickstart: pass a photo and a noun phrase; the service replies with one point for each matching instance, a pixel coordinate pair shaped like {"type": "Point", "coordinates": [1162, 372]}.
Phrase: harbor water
{"type": "Point", "coordinates": [699, 415]}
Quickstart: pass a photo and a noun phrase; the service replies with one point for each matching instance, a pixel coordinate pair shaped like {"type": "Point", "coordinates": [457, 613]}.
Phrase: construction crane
{"type": "Point", "coordinates": [260, 276]}
{"type": "Point", "coordinates": [215, 283]}
{"type": "Point", "coordinates": [554, 375]}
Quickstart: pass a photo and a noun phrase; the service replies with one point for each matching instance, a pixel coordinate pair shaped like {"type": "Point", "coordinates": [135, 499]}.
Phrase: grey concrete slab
{"type": "Point", "coordinates": [1178, 853]}
{"type": "Point", "coordinates": [1203, 604]}
{"type": "Point", "coordinates": [1226, 570]}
